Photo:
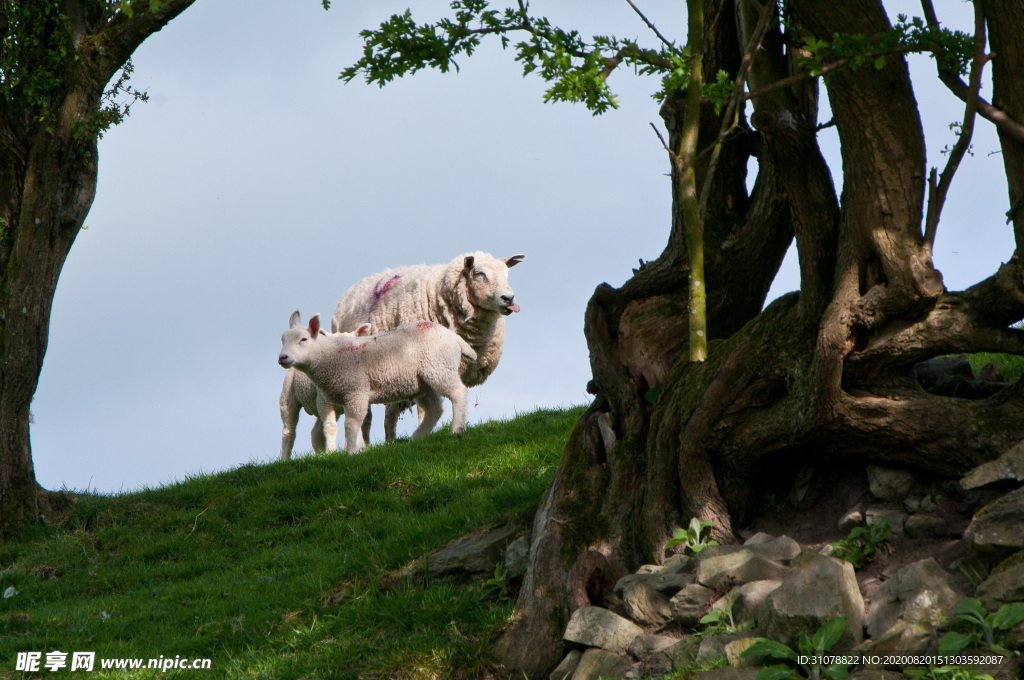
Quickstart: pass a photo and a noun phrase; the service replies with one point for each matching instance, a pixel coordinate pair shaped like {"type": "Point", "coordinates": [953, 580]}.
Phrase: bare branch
{"type": "Point", "coordinates": [937, 193]}
{"type": "Point", "coordinates": [651, 26]}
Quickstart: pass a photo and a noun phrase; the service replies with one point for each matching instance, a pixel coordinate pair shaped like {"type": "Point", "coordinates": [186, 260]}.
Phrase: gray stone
{"type": "Point", "coordinates": [889, 484]}
{"type": "Point", "coordinates": [748, 599]}
{"type": "Point", "coordinates": [930, 503]}
{"type": "Point", "coordinates": [645, 645]}
{"type": "Point", "coordinates": [568, 666]}
{"type": "Point", "coordinates": [925, 526]}
{"type": "Point", "coordinates": [777, 548]}
{"type": "Point", "coordinates": [902, 638]}
{"type": "Point", "coordinates": [600, 663]}
{"type": "Point", "coordinates": [734, 653]}
{"type": "Point", "coordinates": [911, 505]}
{"type": "Point", "coordinates": [677, 564]}
{"type": "Point", "coordinates": [666, 660]}
{"type": "Point", "coordinates": [743, 566]}
{"type": "Point", "coordinates": [1009, 467]}
{"type": "Point", "coordinates": [712, 648]}
{"type": "Point", "coordinates": [689, 602]}
{"type": "Point", "coordinates": [645, 605]}
{"type": "Point", "coordinates": [817, 590]}
{"type": "Point", "coordinates": [667, 584]}
{"type": "Point", "coordinates": [997, 530]}
{"type": "Point", "coordinates": [649, 569]}
{"type": "Point", "coordinates": [517, 558]}
{"type": "Point", "coordinates": [895, 514]}
{"type": "Point", "coordinates": [730, 673]}
{"type": "Point", "coordinates": [919, 593]}
{"type": "Point", "coordinates": [474, 554]}
{"type": "Point", "coordinates": [597, 627]}
{"type": "Point", "coordinates": [850, 520]}
{"type": "Point", "coordinates": [1004, 585]}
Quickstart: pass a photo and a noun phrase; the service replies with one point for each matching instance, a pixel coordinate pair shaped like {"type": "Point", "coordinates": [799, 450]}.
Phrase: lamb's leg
{"type": "Point", "coordinates": [329, 417]}
{"type": "Point", "coordinates": [317, 437]}
{"type": "Point", "coordinates": [366, 425]}
{"type": "Point", "coordinates": [391, 414]}
{"type": "Point", "coordinates": [431, 406]}
{"type": "Point", "coordinates": [459, 398]}
{"type": "Point", "coordinates": [289, 417]}
{"type": "Point", "coordinates": [355, 415]}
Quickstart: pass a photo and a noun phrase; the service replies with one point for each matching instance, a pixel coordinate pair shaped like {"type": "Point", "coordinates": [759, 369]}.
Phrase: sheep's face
{"type": "Point", "coordinates": [487, 282]}
{"type": "Point", "coordinates": [297, 341]}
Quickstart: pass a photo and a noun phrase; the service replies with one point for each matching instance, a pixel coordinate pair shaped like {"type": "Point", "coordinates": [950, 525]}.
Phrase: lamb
{"type": "Point", "coordinates": [418, 361]}
{"type": "Point", "coordinates": [299, 394]}
{"type": "Point", "coordinates": [470, 295]}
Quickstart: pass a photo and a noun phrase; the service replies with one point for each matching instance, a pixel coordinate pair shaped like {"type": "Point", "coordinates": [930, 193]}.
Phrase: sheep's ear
{"type": "Point", "coordinates": [514, 260]}
{"type": "Point", "coordinates": [294, 320]}
{"type": "Point", "coordinates": [468, 263]}
{"type": "Point", "coordinates": [363, 331]}
{"type": "Point", "coordinates": [314, 325]}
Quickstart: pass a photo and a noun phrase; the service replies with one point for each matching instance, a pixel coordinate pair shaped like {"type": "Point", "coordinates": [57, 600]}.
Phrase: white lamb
{"type": "Point", "coordinates": [300, 394]}
{"type": "Point", "coordinates": [418, 361]}
{"type": "Point", "coordinates": [470, 295]}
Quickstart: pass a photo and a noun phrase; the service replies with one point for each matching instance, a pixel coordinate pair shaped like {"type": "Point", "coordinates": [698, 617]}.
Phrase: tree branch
{"type": "Point", "coordinates": [937, 193]}
{"type": "Point", "coordinates": [650, 25]}
{"type": "Point", "coordinates": [122, 35]}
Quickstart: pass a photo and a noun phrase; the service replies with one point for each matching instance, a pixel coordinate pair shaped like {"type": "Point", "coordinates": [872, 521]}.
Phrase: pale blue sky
{"type": "Point", "coordinates": [255, 183]}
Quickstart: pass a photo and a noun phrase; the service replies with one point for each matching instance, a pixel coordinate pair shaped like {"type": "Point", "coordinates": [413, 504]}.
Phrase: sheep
{"type": "Point", "coordinates": [470, 295]}
{"type": "Point", "coordinates": [299, 394]}
{"type": "Point", "coordinates": [418, 361]}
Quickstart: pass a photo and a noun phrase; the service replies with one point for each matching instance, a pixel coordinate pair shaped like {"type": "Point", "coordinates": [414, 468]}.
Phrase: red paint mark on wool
{"type": "Point", "coordinates": [379, 290]}
{"type": "Point", "coordinates": [424, 325]}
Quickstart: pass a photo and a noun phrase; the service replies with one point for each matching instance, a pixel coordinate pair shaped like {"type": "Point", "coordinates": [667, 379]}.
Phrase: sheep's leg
{"type": "Point", "coordinates": [391, 414]}
{"type": "Point", "coordinates": [432, 408]}
{"type": "Point", "coordinates": [329, 418]}
{"type": "Point", "coordinates": [289, 417]}
{"type": "Point", "coordinates": [366, 425]}
{"type": "Point", "coordinates": [355, 415]}
{"type": "Point", "coordinates": [317, 437]}
{"type": "Point", "coordinates": [459, 398]}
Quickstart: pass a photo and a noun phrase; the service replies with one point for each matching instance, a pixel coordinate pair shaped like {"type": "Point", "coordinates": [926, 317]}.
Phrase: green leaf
{"type": "Point", "coordinates": [1008, 616]}
{"type": "Point", "coordinates": [829, 634]}
{"type": "Point", "coordinates": [777, 673]}
{"type": "Point", "coordinates": [970, 605]}
{"type": "Point", "coordinates": [879, 63]}
{"type": "Point", "coordinates": [951, 643]}
{"type": "Point", "coordinates": [769, 648]}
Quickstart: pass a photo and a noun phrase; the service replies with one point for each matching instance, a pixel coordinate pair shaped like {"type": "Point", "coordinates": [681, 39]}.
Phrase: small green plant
{"type": "Point", "coordinates": [864, 544]}
{"type": "Point", "coordinates": [692, 537]}
{"type": "Point", "coordinates": [983, 627]}
{"type": "Point", "coordinates": [945, 673]}
{"type": "Point", "coordinates": [720, 621]}
{"type": "Point", "coordinates": [497, 585]}
{"type": "Point", "coordinates": [803, 663]}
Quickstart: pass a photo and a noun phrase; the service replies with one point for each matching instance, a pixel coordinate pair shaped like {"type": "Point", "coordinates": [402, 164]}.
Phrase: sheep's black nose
{"type": "Point", "coordinates": [507, 299]}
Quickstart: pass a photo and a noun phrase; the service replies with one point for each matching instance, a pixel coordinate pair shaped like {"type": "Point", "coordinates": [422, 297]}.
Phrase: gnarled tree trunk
{"type": "Point", "coordinates": [822, 372]}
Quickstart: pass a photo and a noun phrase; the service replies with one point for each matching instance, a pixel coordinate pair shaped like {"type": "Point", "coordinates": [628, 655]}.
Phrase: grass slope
{"type": "Point", "coordinates": [284, 570]}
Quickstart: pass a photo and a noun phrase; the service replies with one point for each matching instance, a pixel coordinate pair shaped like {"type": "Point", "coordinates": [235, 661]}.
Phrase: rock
{"type": "Point", "coordinates": [776, 548]}
{"type": "Point", "coordinates": [748, 599]}
{"type": "Point", "coordinates": [597, 627]}
{"type": "Point", "coordinates": [912, 504]}
{"type": "Point", "coordinates": [734, 653]}
{"type": "Point", "coordinates": [817, 590]}
{"type": "Point", "coordinates": [645, 605]}
{"type": "Point", "coordinates": [645, 645]}
{"type": "Point", "coordinates": [850, 520]}
{"type": "Point", "coordinates": [742, 566]}
{"type": "Point", "coordinates": [712, 648]}
{"type": "Point", "coordinates": [919, 593]}
{"type": "Point", "coordinates": [902, 638]}
{"type": "Point", "coordinates": [925, 526]}
{"type": "Point", "coordinates": [677, 564]}
{"type": "Point", "coordinates": [1009, 467]}
{"type": "Point", "coordinates": [689, 602]}
{"type": "Point", "coordinates": [889, 484]}
{"type": "Point", "coordinates": [1004, 585]}
{"type": "Point", "coordinates": [568, 666]}
{"type": "Point", "coordinates": [730, 673]}
{"type": "Point", "coordinates": [474, 554]}
{"type": "Point", "coordinates": [667, 584]}
{"type": "Point", "coordinates": [600, 663]}
{"type": "Point", "coordinates": [517, 558]}
{"type": "Point", "coordinates": [649, 569]}
{"type": "Point", "coordinates": [674, 656]}
{"type": "Point", "coordinates": [895, 514]}
{"type": "Point", "coordinates": [930, 504]}
{"type": "Point", "coordinates": [997, 530]}
{"type": "Point", "coordinates": [941, 375]}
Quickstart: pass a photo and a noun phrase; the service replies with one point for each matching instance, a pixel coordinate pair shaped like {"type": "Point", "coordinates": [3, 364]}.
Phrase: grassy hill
{"type": "Point", "coordinates": [283, 570]}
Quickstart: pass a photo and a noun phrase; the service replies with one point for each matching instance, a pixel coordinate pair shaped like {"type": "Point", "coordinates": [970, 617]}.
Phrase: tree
{"type": "Point", "coordinates": [56, 60]}
{"type": "Point", "coordinates": [822, 374]}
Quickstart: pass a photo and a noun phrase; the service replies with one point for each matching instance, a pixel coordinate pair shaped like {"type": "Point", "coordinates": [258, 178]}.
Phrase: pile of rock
{"type": "Point", "coordinates": [773, 587]}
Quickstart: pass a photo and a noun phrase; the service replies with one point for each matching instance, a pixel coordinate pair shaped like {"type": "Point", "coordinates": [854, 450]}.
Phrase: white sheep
{"type": "Point", "coordinates": [470, 295]}
{"type": "Point", "coordinates": [418, 361]}
{"type": "Point", "coordinates": [299, 394]}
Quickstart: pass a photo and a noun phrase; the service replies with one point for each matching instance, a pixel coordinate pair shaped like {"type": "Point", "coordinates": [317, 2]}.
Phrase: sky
{"type": "Point", "coordinates": [254, 183]}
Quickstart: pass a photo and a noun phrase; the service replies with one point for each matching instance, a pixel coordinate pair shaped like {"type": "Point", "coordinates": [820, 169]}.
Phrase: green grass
{"type": "Point", "coordinates": [284, 570]}
{"type": "Point", "coordinates": [1010, 365]}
